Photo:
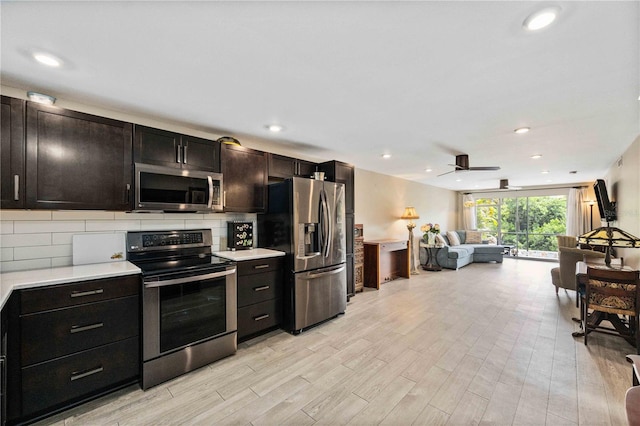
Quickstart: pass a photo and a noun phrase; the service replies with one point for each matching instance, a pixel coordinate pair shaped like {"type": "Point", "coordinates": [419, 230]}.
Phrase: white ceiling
{"type": "Point", "coordinates": [422, 81]}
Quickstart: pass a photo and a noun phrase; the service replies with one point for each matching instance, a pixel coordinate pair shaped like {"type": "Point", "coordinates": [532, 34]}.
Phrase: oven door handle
{"type": "Point", "coordinates": [152, 284]}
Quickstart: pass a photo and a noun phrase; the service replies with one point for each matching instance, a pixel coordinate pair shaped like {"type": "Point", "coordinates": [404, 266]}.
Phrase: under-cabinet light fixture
{"type": "Point", "coordinates": [41, 98]}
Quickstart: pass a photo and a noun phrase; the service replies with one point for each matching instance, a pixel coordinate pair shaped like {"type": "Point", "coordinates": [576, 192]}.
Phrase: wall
{"type": "Point", "coordinates": [623, 184]}
{"type": "Point", "coordinates": [380, 201]}
{"type": "Point", "coordinates": [33, 239]}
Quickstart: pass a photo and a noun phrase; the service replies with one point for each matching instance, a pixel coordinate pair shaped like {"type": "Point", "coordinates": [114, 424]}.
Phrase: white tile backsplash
{"type": "Point", "coordinates": [25, 265]}
{"type": "Point", "coordinates": [24, 240]}
{"type": "Point", "coordinates": [24, 227]}
{"type": "Point", "coordinates": [42, 239]}
{"type": "Point", "coordinates": [113, 225]}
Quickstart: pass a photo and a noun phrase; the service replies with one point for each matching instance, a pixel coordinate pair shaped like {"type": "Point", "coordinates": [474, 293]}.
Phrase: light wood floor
{"type": "Point", "coordinates": [487, 344]}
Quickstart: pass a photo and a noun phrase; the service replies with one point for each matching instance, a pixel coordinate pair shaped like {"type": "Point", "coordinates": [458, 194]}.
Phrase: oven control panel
{"type": "Point", "coordinates": [158, 240]}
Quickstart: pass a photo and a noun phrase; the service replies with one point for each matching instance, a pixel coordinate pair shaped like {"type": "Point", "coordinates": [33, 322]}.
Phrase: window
{"type": "Point", "coordinates": [528, 224]}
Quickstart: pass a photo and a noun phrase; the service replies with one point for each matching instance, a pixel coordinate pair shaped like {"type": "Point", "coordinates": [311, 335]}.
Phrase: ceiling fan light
{"type": "Point", "coordinates": [541, 19]}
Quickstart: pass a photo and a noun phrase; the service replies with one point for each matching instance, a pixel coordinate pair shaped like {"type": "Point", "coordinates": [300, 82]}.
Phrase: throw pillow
{"type": "Point", "coordinates": [454, 240]}
{"type": "Point", "coordinates": [474, 237]}
{"type": "Point", "coordinates": [440, 240]}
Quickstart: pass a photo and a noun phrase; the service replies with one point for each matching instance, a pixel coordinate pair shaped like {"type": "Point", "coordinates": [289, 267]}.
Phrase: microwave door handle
{"type": "Point", "coordinates": [210, 182]}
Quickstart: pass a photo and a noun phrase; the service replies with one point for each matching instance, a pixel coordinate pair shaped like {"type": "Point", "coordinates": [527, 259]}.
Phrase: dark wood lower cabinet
{"type": "Point", "coordinates": [70, 343]}
{"type": "Point", "coordinates": [259, 296]}
{"type": "Point", "coordinates": [60, 381]}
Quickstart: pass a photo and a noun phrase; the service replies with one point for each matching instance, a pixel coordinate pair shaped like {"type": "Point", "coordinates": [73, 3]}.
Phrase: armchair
{"type": "Point", "coordinates": [564, 276]}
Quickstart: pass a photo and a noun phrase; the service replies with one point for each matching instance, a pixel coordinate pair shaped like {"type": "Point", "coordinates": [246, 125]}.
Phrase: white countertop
{"type": "Point", "coordinates": [252, 254]}
{"type": "Point", "coordinates": [10, 281]}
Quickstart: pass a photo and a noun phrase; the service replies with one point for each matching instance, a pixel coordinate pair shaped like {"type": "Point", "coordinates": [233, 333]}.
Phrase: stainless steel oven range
{"type": "Point", "coordinates": [189, 302]}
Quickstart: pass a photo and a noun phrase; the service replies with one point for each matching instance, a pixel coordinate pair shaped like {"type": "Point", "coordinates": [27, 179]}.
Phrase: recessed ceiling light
{"type": "Point", "coordinates": [41, 98]}
{"type": "Point", "coordinates": [536, 156]}
{"type": "Point", "coordinates": [428, 170]}
{"type": "Point", "coordinates": [522, 130]}
{"type": "Point", "coordinates": [47, 59]}
{"type": "Point", "coordinates": [275, 128]}
{"type": "Point", "coordinates": [385, 156]}
{"type": "Point", "coordinates": [458, 180]}
{"type": "Point", "coordinates": [544, 172]}
{"type": "Point", "coordinates": [541, 19]}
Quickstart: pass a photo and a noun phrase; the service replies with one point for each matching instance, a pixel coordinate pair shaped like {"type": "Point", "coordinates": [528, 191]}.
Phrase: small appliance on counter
{"type": "Point", "coordinates": [239, 235]}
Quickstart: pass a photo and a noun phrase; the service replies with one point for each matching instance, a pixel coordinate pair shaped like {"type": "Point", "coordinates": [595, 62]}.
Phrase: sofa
{"type": "Point", "coordinates": [454, 257]}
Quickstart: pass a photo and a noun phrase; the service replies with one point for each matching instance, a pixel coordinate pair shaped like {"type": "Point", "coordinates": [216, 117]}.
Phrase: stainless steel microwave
{"type": "Point", "coordinates": [160, 188]}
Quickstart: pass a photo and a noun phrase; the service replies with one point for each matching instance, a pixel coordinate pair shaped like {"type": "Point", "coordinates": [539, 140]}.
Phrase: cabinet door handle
{"type": "Point", "coordinates": [184, 154]}
{"type": "Point", "coordinates": [178, 154]}
{"type": "Point", "coordinates": [81, 328]}
{"type": "Point", "coordinates": [82, 374]}
{"type": "Point", "coordinates": [261, 317]}
{"type": "Point", "coordinates": [127, 193]}
{"type": "Point", "coordinates": [260, 266]}
{"type": "Point", "coordinates": [86, 293]}
{"type": "Point", "coordinates": [16, 187]}
{"type": "Point", "coordinates": [264, 287]}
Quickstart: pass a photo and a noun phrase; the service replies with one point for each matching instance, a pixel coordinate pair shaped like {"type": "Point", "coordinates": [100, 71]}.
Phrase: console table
{"type": "Point", "coordinates": [385, 260]}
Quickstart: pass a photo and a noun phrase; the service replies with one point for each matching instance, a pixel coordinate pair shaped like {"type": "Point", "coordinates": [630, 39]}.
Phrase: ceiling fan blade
{"type": "Point", "coordinates": [446, 173]}
{"type": "Point", "coordinates": [456, 166]}
{"type": "Point", "coordinates": [484, 169]}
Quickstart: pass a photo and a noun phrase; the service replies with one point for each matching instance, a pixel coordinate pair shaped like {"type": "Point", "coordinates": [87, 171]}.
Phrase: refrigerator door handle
{"type": "Point", "coordinates": [325, 273]}
{"type": "Point", "coordinates": [326, 224]}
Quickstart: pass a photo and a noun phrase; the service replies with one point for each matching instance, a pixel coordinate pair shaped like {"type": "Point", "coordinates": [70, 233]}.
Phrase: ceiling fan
{"type": "Point", "coordinates": [462, 165]}
{"type": "Point", "coordinates": [504, 184]}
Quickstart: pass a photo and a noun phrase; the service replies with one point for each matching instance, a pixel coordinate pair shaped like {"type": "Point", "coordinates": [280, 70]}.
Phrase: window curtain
{"type": "Point", "coordinates": [469, 212]}
{"type": "Point", "coordinates": [577, 213]}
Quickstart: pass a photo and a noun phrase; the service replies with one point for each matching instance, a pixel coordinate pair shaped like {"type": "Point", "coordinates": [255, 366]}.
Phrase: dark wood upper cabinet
{"type": "Point", "coordinates": [169, 149]}
{"type": "Point", "coordinates": [76, 161]}
{"type": "Point", "coordinates": [282, 167]}
{"type": "Point", "coordinates": [337, 171]}
{"type": "Point", "coordinates": [12, 153]}
{"type": "Point", "coordinates": [244, 171]}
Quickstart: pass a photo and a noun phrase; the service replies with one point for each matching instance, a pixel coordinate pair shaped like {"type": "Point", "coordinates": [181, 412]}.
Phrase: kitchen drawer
{"type": "Point", "coordinates": [65, 379]}
{"type": "Point", "coordinates": [255, 318]}
{"type": "Point", "coordinates": [51, 334]}
{"type": "Point", "coordinates": [259, 287]}
{"type": "Point", "coordinates": [393, 246]}
{"type": "Point", "coordinates": [258, 266]}
{"type": "Point", "coordinates": [64, 295]}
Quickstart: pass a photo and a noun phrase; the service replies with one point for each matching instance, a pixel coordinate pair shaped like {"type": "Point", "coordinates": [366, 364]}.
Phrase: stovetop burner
{"type": "Point", "coordinates": [170, 252]}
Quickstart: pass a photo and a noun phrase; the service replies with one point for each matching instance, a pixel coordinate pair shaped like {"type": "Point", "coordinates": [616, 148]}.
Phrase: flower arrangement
{"type": "Point", "coordinates": [429, 228]}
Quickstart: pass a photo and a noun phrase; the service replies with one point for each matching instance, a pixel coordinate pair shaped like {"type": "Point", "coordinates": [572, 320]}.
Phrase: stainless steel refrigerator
{"type": "Point", "coordinates": [306, 220]}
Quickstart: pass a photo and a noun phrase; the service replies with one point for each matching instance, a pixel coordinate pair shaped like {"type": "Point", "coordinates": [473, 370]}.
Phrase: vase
{"type": "Point", "coordinates": [431, 238]}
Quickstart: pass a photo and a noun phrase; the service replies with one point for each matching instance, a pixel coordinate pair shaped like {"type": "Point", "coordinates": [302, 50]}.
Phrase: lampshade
{"type": "Point", "coordinates": [410, 213]}
{"type": "Point", "coordinates": [610, 237]}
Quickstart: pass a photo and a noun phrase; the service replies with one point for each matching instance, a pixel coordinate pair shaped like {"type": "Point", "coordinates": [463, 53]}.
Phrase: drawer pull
{"type": "Point", "coordinates": [82, 374]}
{"type": "Point", "coordinates": [261, 317]}
{"type": "Point", "coordinates": [81, 328]}
{"type": "Point", "coordinates": [260, 266]}
{"type": "Point", "coordinates": [264, 287]}
{"type": "Point", "coordinates": [86, 293]}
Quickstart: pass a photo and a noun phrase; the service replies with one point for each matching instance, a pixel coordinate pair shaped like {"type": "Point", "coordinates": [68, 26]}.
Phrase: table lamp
{"type": "Point", "coordinates": [609, 237]}
{"type": "Point", "coordinates": [411, 214]}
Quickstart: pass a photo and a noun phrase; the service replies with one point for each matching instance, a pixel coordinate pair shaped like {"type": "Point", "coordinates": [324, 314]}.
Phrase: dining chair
{"type": "Point", "coordinates": [611, 292]}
